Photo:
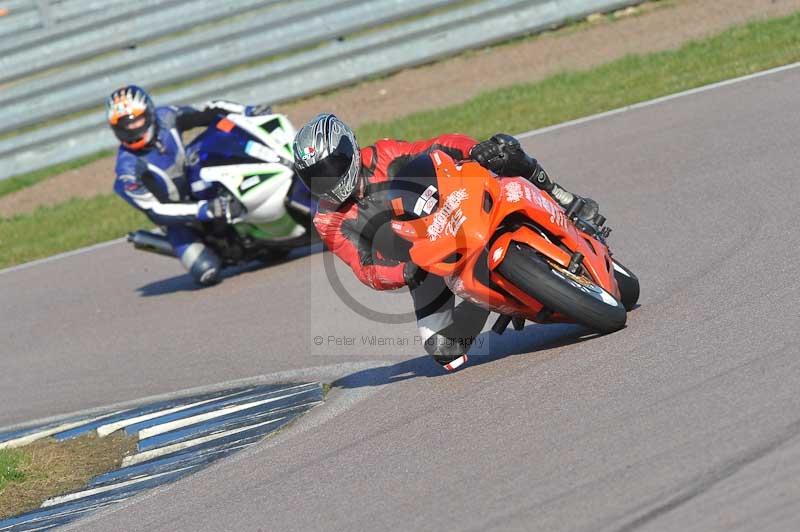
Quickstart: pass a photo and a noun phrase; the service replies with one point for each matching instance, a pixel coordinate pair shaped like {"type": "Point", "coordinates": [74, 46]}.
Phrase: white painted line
{"type": "Point", "coordinates": [105, 430]}
{"type": "Point", "coordinates": [60, 256]}
{"type": "Point", "coordinates": [657, 101]}
{"type": "Point", "coordinates": [96, 491]}
{"type": "Point", "coordinates": [185, 422]}
{"type": "Point", "coordinates": [29, 438]}
{"type": "Point", "coordinates": [161, 451]}
{"type": "Point", "coordinates": [329, 373]}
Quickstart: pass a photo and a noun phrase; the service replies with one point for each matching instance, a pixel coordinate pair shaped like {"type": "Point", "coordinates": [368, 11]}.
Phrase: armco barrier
{"type": "Point", "coordinates": [328, 64]}
{"type": "Point", "coordinates": [295, 27]}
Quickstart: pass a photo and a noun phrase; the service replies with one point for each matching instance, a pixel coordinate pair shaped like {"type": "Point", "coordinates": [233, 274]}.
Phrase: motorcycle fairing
{"type": "Point", "coordinates": [250, 158]}
{"type": "Point", "coordinates": [470, 233]}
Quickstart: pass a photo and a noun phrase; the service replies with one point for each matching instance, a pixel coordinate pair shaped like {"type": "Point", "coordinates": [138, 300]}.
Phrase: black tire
{"type": "Point", "coordinates": [274, 255]}
{"type": "Point", "coordinates": [628, 285]}
{"type": "Point", "coordinates": [529, 272]}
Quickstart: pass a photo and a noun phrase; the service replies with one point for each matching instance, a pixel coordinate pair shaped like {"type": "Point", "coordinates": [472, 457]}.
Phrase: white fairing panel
{"type": "Point", "coordinates": [263, 198]}
{"type": "Point", "coordinates": [270, 198]}
{"type": "Point", "coordinates": [261, 187]}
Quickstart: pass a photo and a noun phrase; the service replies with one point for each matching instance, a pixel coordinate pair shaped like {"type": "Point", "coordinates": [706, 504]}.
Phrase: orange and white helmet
{"type": "Point", "coordinates": [132, 116]}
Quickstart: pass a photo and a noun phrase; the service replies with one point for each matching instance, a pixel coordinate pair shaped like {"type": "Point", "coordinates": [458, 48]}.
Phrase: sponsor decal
{"type": "Point", "coordinates": [497, 254]}
{"type": "Point", "coordinates": [308, 153]}
{"type": "Point", "coordinates": [450, 218]}
{"type": "Point", "coordinates": [259, 151]}
{"type": "Point", "coordinates": [134, 187]}
{"type": "Point", "coordinates": [426, 201]}
{"type": "Point", "coordinates": [513, 191]}
{"type": "Point", "coordinates": [556, 213]}
{"type": "Point", "coordinates": [528, 194]}
{"type": "Point", "coordinates": [429, 205]}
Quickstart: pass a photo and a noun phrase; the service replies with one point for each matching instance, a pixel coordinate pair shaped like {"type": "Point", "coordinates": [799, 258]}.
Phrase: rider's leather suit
{"type": "Point", "coordinates": [153, 180]}
{"type": "Point", "coordinates": [445, 329]}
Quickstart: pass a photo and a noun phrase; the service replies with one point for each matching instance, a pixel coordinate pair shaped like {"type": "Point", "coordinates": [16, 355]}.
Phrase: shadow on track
{"type": "Point", "coordinates": [184, 282]}
{"type": "Point", "coordinates": [488, 347]}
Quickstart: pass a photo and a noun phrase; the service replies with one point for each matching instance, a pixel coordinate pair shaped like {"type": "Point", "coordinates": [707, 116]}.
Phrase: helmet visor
{"type": "Point", "coordinates": [132, 129]}
{"type": "Point", "coordinates": [323, 176]}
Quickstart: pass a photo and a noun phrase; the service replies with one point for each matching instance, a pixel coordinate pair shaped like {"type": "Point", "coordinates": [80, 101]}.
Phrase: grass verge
{"type": "Point", "coordinates": [735, 52]}
{"type": "Point", "coordinates": [48, 468]}
{"type": "Point", "coordinates": [70, 225]}
{"type": "Point", "coordinates": [10, 463]}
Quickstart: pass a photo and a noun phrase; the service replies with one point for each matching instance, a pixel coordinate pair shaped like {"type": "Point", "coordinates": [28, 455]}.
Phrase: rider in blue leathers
{"type": "Point", "coordinates": [150, 170]}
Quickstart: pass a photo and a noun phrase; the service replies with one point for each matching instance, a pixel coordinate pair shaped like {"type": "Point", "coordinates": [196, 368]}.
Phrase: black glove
{"type": "Point", "coordinates": [413, 275]}
{"type": "Point", "coordinates": [258, 110]}
{"type": "Point", "coordinates": [225, 107]}
{"type": "Point", "coordinates": [503, 155]}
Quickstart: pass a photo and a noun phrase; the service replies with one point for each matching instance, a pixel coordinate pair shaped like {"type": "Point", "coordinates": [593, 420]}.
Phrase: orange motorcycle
{"type": "Point", "coordinates": [506, 246]}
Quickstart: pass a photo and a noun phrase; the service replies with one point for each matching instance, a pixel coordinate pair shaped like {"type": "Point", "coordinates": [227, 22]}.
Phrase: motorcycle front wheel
{"type": "Point", "coordinates": [576, 297]}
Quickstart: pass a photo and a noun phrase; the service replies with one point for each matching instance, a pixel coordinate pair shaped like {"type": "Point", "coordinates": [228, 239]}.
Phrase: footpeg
{"type": "Point", "coordinates": [501, 324]}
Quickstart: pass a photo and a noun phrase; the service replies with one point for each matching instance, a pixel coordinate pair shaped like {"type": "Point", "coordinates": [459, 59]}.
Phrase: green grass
{"type": "Point", "coordinates": [10, 463]}
{"type": "Point", "coordinates": [47, 468]}
{"type": "Point", "coordinates": [12, 184]}
{"type": "Point", "coordinates": [70, 225]}
{"type": "Point", "coordinates": [735, 52]}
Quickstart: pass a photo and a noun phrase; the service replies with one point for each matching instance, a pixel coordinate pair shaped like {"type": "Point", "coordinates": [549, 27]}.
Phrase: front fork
{"type": "Point", "coordinates": [497, 253]}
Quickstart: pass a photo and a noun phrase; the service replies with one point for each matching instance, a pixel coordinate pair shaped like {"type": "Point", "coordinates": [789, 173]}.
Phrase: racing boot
{"type": "Point", "coordinates": [202, 264]}
{"type": "Point", "coordinates": [449, 346]}
{"type": "Point", "coordinates": [200, 261]}
{"type": "Point", "coordinates": [450, 353]}
{"type": "Point", "coordinates": [590, 210]}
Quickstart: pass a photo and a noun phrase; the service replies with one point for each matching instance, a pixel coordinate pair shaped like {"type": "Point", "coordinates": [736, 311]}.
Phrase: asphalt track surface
{"type": "Point", "coordinates": [689, 419]}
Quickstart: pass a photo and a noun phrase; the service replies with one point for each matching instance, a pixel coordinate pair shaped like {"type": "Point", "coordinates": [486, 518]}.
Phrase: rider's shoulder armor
{"type": "Point", "coordinates": [413, 192]}
{"type": "Point", "coordinates": [166, 116]}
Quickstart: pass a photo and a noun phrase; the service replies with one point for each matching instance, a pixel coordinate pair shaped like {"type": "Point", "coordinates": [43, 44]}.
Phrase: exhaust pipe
{"type": "Point", "coordinates": [152, 242]}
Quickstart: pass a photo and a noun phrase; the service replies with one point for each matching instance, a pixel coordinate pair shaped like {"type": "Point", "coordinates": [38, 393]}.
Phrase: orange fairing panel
{"type": "Point", "coordinates": [473, 204]}
{"type": "Point", "coordinates": [226, 125]}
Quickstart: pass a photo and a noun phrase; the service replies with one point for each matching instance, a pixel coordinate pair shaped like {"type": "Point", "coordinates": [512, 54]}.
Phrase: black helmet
{"type": "Point", "coordinates": [327, 158]}
{"type": "Point", "coordinates": [132, 116]}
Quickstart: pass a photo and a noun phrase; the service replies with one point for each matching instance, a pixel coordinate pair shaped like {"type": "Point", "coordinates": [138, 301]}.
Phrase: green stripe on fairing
{"type": "Point", "coordinates": [287, 147]}
{"type": "Point", "coordinates": [282, 227]}
{"type": "Point", "coordinates": [265, 175]}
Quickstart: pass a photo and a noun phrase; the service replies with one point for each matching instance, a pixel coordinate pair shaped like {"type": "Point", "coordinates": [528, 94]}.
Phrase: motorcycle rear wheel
{"type": "Point", "coordinates": [559, 291]}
